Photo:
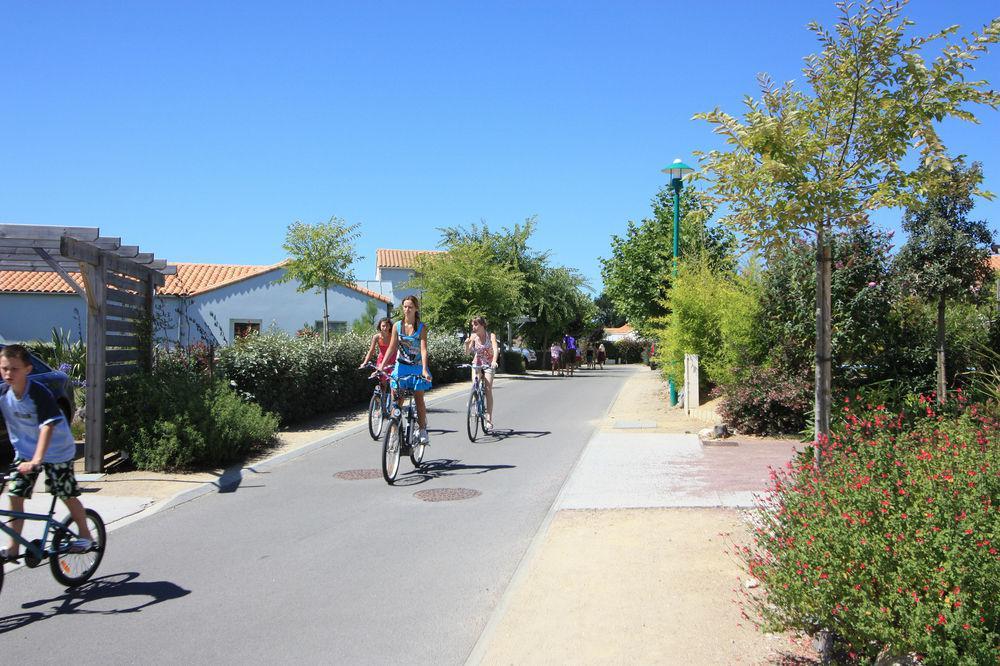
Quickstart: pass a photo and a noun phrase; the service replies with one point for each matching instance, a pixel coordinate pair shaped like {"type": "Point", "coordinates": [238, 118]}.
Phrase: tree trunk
{"type": "Point", "coordinates": [326, 319]}
{"type": "Point", "coordinates": [942, 387]}
{"type": "Point", "coordinates": [824, 326]}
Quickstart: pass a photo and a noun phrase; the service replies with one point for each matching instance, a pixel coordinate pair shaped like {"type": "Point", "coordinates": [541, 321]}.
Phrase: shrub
{"type": "Point", "coordinates": [629, 350]}
{"type": "Point", "coordinates": [893, 544]}
{"type": "Point", "coordinates": [767, 401]}
{"type": "Point", "coordinates": [712, 315]}
{"type": "Point", "coordinates": [177, 417]}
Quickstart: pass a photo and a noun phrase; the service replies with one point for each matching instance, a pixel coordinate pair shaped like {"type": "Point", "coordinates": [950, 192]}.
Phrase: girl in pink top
{"type": "Point", "coordinates": [483, 345]}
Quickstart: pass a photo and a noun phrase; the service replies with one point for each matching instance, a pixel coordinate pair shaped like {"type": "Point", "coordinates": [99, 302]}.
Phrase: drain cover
{"type": "Point", "coordinates": [446, 494]}
{"type": "Point", "coordinates": [358, 474]}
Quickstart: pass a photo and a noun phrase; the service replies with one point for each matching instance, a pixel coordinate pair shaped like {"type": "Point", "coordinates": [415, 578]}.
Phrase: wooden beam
{"type": "Point", "coordinates": [125, 297]}
{"type": "Point", "coordinates": [121, 282]}
{"type": "Point", "coordinates": [122, 311]}
{"type": "Point", "coordinates": [121, 340]}
{"type": "Point", "coordinates": [121, 326]}
{"type": "Point", "coordinates": [125, 369]}
{"type": "Point", "coordinates": [108, 243]}
{"type": "Point", "coordinates": [93, 451]}
{"type": "Point", "coordinates": [31, 265]}
{"type": "Point", "coordinates": [45, 232]}
{"type": "Point", "coordinates": [120, 355]}
{"type": "Point", "coordinates": [80, 251]}
{"type": "Point", "coordinates": [62, 272]}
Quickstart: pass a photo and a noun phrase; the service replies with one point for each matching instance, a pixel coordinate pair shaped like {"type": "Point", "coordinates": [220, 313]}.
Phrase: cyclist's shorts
{"type": "Point", "coordinates": [409, 377]}
{"type": "Point", "coordinates": [59, 480]}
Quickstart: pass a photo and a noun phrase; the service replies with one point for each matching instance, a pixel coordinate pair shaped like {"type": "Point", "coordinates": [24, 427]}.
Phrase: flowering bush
{"type": "Point", "coordinates": [893, 542]}
{"type": "Point", "coordinates": [766, 401]}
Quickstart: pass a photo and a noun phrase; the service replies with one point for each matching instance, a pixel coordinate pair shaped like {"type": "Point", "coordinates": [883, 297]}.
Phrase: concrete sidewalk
{"type": "Point", "coordinates": [631, 566]}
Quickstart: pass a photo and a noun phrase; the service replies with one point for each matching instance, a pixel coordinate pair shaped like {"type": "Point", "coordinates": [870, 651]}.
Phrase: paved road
{"type": "Point", "coordinates": [296, 563]}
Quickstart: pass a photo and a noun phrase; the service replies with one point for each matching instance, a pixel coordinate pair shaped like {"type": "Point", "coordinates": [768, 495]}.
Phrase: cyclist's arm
{"type": "Point", "coordinates": [496, 349]}
{"type": "Point", "coordinates": [371, 350]}
{"type": "Point", "coordinates": [423, 352]}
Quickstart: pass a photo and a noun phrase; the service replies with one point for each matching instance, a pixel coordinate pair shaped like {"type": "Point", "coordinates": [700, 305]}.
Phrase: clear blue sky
{"type": "Point", "coordinates": [200, 130]}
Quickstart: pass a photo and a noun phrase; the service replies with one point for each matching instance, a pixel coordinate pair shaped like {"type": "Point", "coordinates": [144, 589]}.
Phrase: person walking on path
{"type": "Point", "coordinates": [569, 356]}
{"type": "Point", "coordinates": [602, 355]}
{"type": "Point", "coordinates": [555, 354]}
{"type": "Point", "coordinates": [483, 345]}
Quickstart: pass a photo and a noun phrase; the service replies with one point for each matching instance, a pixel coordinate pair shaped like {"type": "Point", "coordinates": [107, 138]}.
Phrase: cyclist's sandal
{"type": "Point", "coordinates": [4, 557]}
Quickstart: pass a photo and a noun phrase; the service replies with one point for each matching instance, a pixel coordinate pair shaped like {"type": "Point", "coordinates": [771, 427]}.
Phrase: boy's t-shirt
{"type": "Point", "coordinates": [36, 408]}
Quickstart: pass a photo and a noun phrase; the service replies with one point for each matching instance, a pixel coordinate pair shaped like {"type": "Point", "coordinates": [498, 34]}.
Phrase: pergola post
{"type": "Point", "coordinates": [95, 278]}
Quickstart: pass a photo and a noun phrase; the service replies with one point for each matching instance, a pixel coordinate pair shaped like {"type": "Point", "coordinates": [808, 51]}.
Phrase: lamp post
{"type": "Point", "coordinates": [677, 170]}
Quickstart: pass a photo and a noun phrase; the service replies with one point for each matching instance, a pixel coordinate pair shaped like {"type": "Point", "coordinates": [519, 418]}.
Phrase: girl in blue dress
{"type": "Point", "coordinates": [409, 345]}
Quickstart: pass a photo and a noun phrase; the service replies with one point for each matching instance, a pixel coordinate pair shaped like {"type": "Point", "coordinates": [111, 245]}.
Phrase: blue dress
{"type": "Point", "coordinates": [407, 374]}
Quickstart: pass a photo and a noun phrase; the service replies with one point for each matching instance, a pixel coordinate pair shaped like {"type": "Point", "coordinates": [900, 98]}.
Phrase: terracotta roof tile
{"type": "Point", "coordinates": [190, 280]}
{"type": "Point", "coordinates": [995, 262]}
{"type": "Point", "coordinates": [621, 330]}
{"type": "Point", "coordinates": [399, 258]}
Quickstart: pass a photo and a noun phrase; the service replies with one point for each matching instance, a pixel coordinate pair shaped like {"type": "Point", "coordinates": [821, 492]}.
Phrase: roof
{"type": "Point", "coordinates": [995, 262]}
{"type": "Point", "coordinates": [621, 330]}
{"type": "Point", "coordinates": [399, 258]}
{"type": "Point", "coordinates": [190, 280]}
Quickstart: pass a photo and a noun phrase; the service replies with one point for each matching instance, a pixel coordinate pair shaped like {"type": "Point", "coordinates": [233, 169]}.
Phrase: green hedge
{"type": "Point", "coordinates": [300, 377]}
{"type": "Point", "coordinates": [513, 363]}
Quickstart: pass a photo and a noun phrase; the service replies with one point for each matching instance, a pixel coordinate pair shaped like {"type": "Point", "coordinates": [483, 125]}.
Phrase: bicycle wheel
{"type": "Point", "coordinates": [375, 414]}
{"type": "Point", "coordinates": [482, 415]}
{"type": "Point", "coordinates": [416, 448]}
{"type": "Point", "coordinates": [472, 417]}
{"type": "Point", "coordinates": [72, 569]}
{"type": "Point", "coordinates": [391, 446]}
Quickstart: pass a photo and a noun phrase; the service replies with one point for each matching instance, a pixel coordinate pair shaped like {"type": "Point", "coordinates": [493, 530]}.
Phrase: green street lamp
{"type": "Point", "coordinates": [677, 170]}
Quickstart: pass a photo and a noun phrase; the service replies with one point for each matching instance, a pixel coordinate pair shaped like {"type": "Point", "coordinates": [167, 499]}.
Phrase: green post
{"type": "Point", "coordinates": [676, 171]}
{"type": "Point", "coordinates": [676, 182]}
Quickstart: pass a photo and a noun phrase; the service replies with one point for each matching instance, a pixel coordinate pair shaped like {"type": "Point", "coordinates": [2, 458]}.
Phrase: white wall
{"type": "Point", "coordinates": [31, 316]}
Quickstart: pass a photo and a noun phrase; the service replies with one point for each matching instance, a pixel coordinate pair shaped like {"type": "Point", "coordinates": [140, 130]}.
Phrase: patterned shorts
{"type": "Point", "coordinates": [59, 480]}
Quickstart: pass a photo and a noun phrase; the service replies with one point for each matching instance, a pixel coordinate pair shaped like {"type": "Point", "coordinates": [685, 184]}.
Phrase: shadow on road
{"type": "Point", "coordinates": [442, 468]}
{"type": "Point", "coordinates": [113, 587]}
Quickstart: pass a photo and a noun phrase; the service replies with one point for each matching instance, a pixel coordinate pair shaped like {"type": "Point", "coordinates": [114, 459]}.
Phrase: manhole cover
{"type": "Point", "coordinates": [358, 474]}
{"type": "Point", "coordinates": [446, 494]}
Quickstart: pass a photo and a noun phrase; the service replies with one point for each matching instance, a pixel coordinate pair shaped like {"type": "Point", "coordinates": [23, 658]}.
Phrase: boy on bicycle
{"type": "Point", "coordinates": [42, 440]}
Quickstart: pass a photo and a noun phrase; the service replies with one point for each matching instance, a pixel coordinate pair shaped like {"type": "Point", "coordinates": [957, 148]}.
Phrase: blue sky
{"type": "Point", "coordinates": [200, 130]}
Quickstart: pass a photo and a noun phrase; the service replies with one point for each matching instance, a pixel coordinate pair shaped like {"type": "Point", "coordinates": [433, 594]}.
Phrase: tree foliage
{"type": "Point", "coordinates": [466, 282]}
{"type": "Point", "coordinates": [814, 161]}
{"type": "Point", "coordinates": [320, 257]}
{"type": "Point", "coordinates": [637, 274]}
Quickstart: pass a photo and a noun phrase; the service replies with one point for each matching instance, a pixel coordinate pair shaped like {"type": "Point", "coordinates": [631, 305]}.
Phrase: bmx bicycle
{"type": "Point", "coordinates": [69, 566]}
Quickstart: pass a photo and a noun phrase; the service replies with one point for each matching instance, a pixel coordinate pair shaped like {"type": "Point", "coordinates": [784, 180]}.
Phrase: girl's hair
{"type": "Point", "coordinates": [479, 320]}
{"type": "Point", "coordinates": [378, 326]}
{"type": "Point", "coordinates": [416, 304]}
{"type": "Point", "coordinates": [20, 352]}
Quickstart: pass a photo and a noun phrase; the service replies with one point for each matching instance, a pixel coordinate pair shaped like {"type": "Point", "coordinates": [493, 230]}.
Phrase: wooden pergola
{"type": "Point", "coordinates": [119, 283]}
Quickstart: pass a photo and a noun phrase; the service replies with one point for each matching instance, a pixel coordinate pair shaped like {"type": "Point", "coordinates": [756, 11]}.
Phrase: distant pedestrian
{"type": "Point", "coordinates": [555, 354]}
{"type": "Point", "coordinates": [602, 355]}
{"type": "Point", "coordinates": [569, 357]}
{"type": "Point", "coordinates": [590, 357]}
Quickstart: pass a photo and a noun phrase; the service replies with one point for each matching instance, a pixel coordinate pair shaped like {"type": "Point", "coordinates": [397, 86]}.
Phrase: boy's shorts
{"type": "Point", "coordinates": [59, 480]}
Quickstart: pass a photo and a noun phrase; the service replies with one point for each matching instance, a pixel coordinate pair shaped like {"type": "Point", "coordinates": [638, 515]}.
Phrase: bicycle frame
{"type": "Point", "coordinates": [31, 546]}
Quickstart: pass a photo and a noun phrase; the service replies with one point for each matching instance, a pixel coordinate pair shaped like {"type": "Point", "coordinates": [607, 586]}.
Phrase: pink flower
{"type": "Point", "coordinates": [871, 284]}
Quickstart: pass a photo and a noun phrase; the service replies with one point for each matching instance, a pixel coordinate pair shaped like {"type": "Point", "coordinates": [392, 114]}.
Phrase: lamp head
{"type": "Point", "coordinates": [677, 170]}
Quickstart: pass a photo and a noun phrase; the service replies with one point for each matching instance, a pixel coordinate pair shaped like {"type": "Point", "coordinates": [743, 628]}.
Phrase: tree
{"type": "Point", "coordinates": [562, 307]}
{"type": "Point", "coordinates": [321, 256]}
{"type": "Point", "coordinates": [801, 163]}
{"type": "Point", "coordinates": [946, 256]}
{"type": "Point", "coordinates": [607, 314]}
{"type": "Point", "coordinates": [637, 274]}
{"type": "Point", "coordinates": [466, 282]}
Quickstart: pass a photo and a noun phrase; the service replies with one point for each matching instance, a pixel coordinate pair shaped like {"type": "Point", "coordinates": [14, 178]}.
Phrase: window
{"type": "Point", "coordinates": [335, 326]}
{"type": "Point", "coordinates": [243, 327]}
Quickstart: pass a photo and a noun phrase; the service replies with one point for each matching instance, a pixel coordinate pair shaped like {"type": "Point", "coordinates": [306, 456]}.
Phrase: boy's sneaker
{"type": "Point", "coordinates": [423, 437]}
{"type": "Point", "coordinates": [80, 546]}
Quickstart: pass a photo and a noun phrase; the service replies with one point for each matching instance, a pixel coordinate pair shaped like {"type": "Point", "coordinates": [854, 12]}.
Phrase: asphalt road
{"type": "Point", "coordinates": [299, 564]}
